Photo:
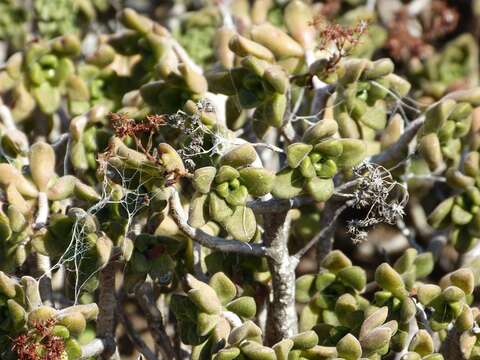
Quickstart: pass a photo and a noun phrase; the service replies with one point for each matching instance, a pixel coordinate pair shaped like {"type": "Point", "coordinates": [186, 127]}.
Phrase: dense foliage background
{"type": "Point", "coordinates": [239, 179]}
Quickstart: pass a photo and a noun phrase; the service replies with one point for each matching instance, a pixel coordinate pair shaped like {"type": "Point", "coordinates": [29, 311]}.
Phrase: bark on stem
{"type": "Point", "coordinates": [107, 303]}
{"type": "Point", "coordinates": [282, 316]}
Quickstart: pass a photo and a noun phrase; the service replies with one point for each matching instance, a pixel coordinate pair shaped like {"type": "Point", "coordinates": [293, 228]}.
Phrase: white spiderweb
{"type": "Point", "coordinates": [131, 202]}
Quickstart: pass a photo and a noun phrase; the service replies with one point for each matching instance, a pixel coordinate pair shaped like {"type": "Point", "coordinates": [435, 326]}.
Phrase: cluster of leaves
{"type": "Point", "coordinates": [342, 320]}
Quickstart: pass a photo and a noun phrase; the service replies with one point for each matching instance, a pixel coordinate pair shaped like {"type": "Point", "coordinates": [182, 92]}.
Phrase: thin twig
{"type": "Point", "coordinates": [260, 206]}
{"type": "Point", "coordinates": [429, 178]}
{"type": "Point", "coordinates": [134, 336]}
{"type": "Point", "coordinates": [326, 231]}
{"type": "Point", "coordinates": [268, 146]}
{"type": "Point", "coordinates": [155, 320]}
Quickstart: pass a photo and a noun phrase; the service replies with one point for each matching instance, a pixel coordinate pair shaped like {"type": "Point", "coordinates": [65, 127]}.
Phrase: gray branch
{"type": "Point", "coordinates": [278, 205]}
{"type": "Point", "coordinates": [282, 320]}
{"type": "Point", "coordinates": [209, 241]}
{"type": "Point", "coordinates": [106, 323]}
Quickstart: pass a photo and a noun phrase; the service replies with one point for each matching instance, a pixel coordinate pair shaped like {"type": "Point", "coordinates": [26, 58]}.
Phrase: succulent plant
{"type": "Point", "coordinates": [210, 311]}
{"type": "Point", "coordinates": [30, 326]}
{"type": "Point", "coordinates": [221, 195]}
{"type": "Point", "coordinates": [313, 163]}
{"type": "Point", "coordinates": [362, 99]}
{"type": "Point", "coordinates": [41, 75]}
{"type": "Point", "coordinates": [30, 199]}
{"type": "Point", "coordinates": [453, 68]}
{"type": "Point", "coordinates": [445, 125]}
{"type": "Point", "coordinates": [12, 23]}
{"type": "Point", "coordinates": [333, 296]}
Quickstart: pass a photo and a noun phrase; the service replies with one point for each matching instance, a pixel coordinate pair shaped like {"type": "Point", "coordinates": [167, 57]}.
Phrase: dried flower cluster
{"type": "Point", "coordinates": [39, 343]}
{"type": "Point", "coordinates": [338, 40]}
{"type": "Point", "coordinates": [382, 197]}
{"type": "Point", "coordinates": [124, 126]}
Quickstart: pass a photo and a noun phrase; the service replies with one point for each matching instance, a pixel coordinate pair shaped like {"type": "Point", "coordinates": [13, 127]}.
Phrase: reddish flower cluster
{"type": "Point", "coordinates": [39, 343]}
{"type": "Point", "coordinates": [338, 40]}
{"type": "Point", "coordinates": [124, 126]}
